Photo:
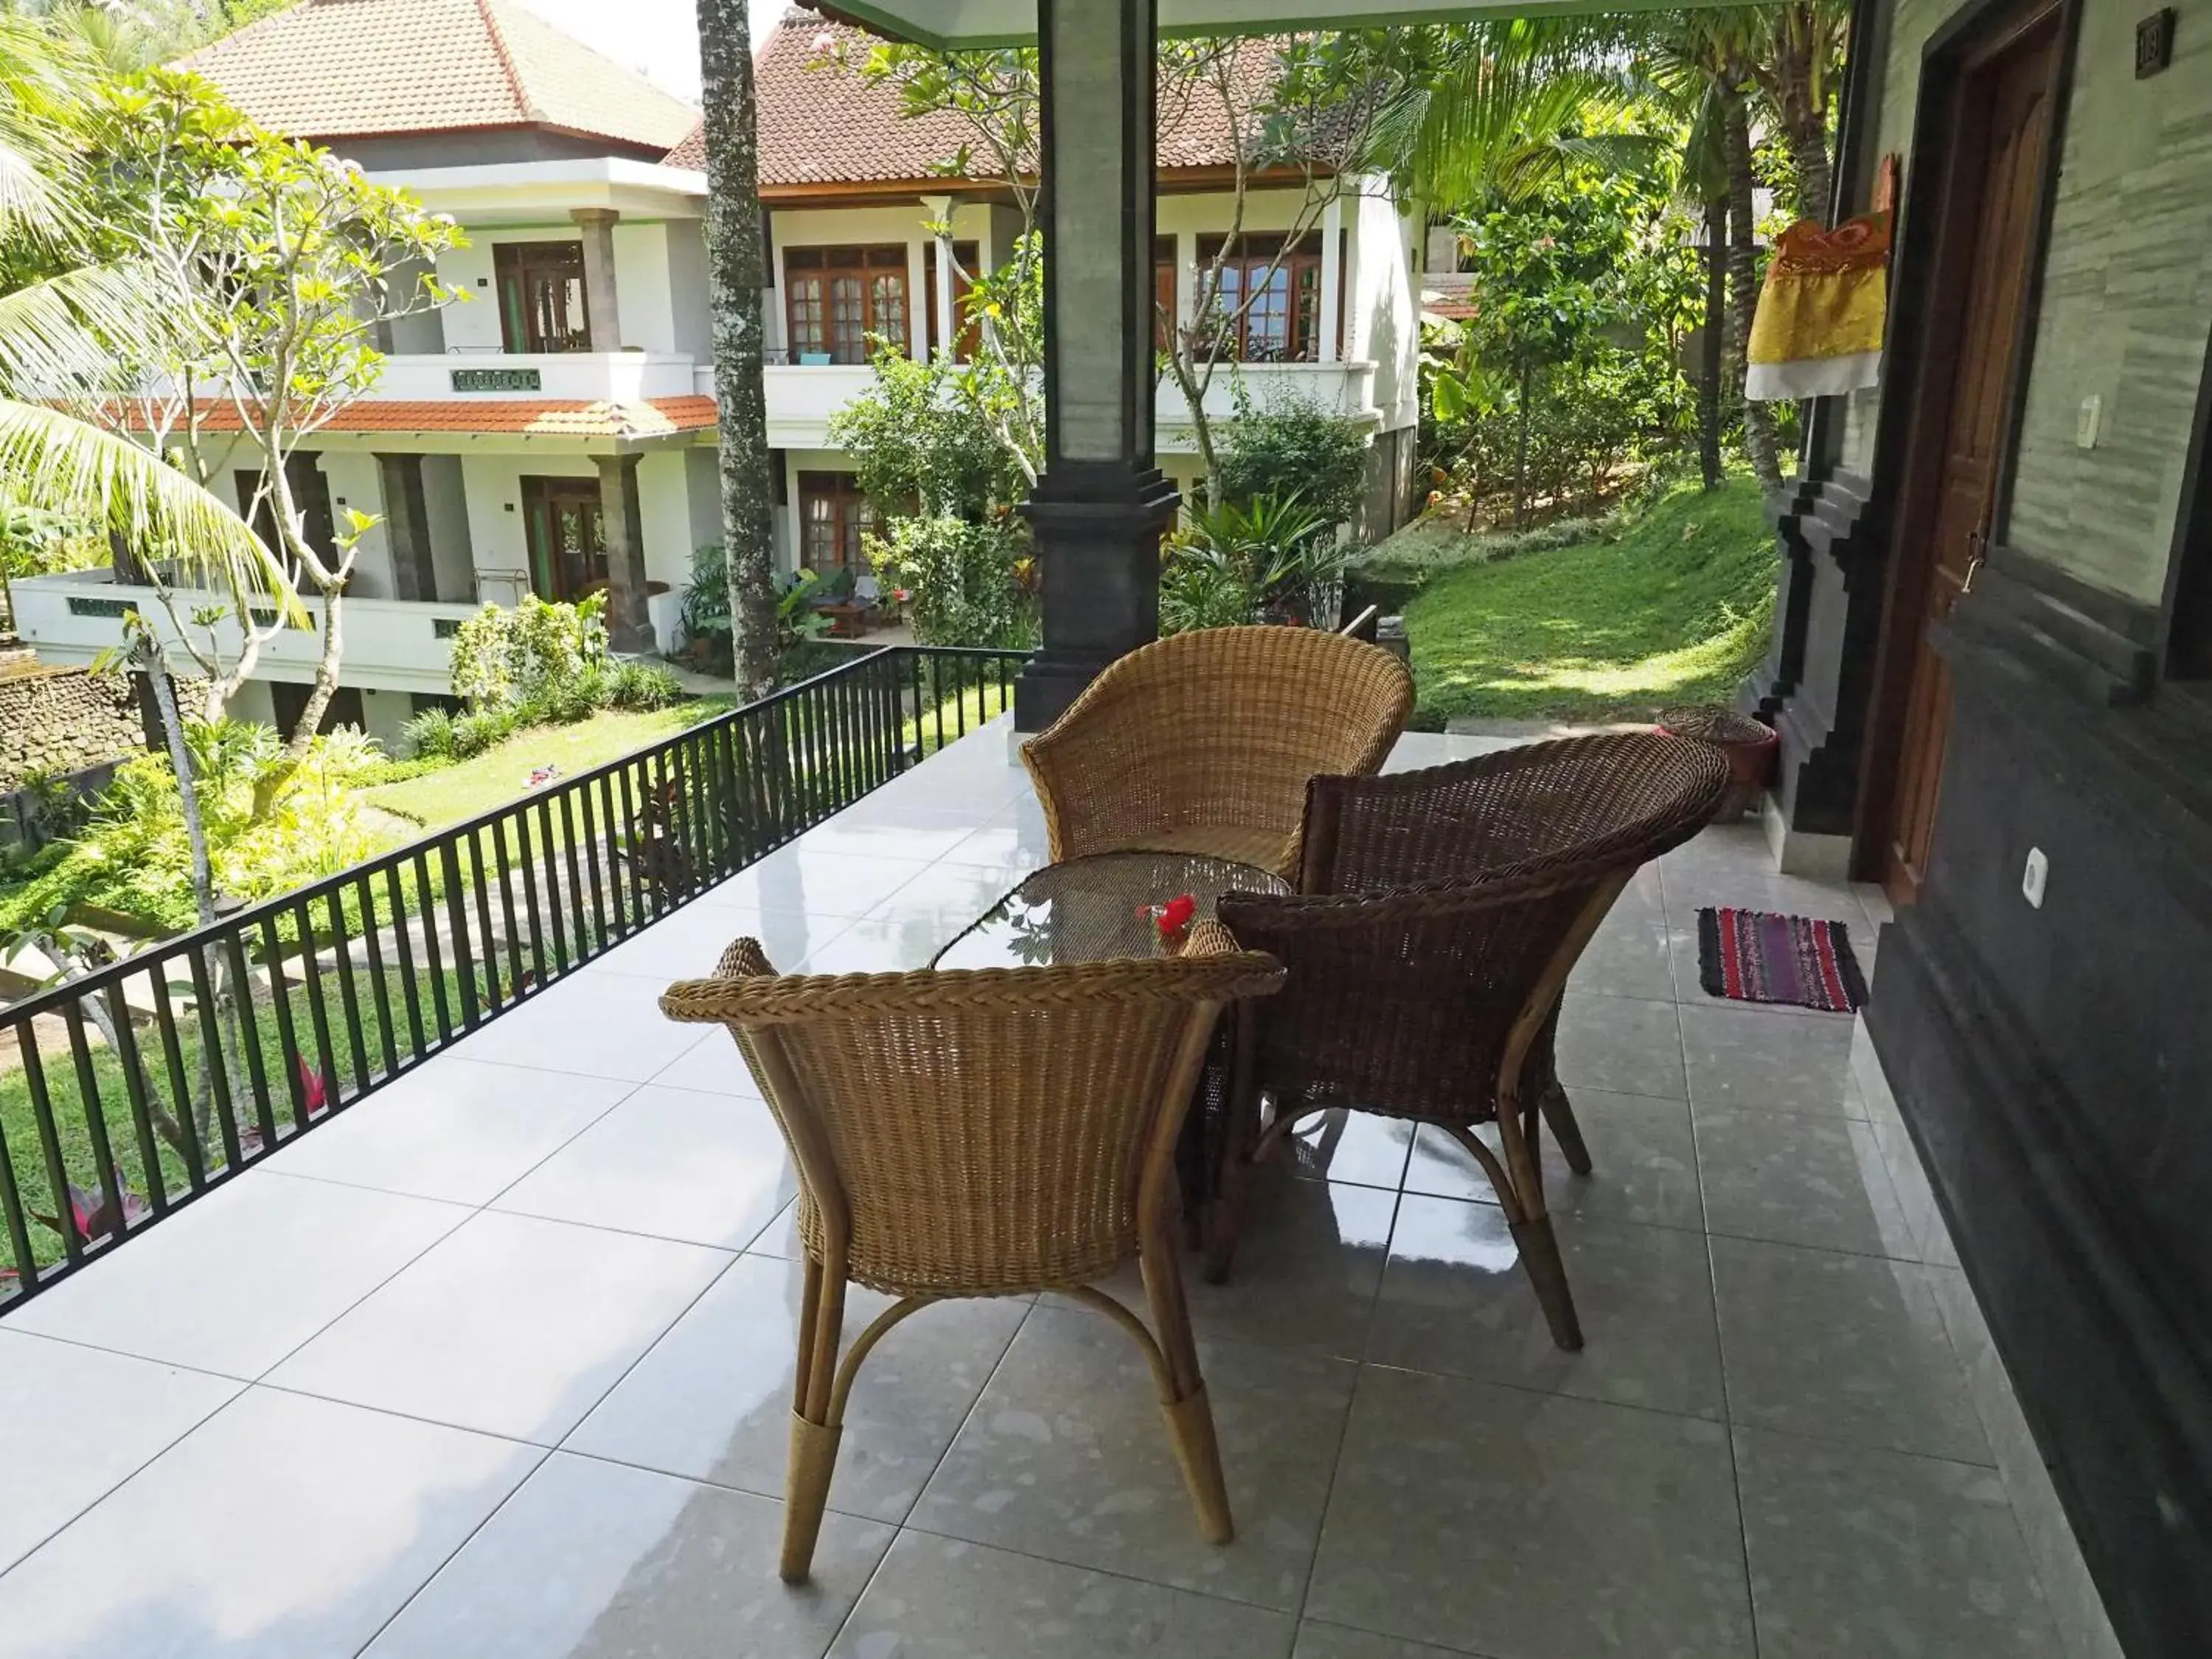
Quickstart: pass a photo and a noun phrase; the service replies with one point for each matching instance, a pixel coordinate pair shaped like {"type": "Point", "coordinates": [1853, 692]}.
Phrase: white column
{"type": "Point", "coordinates": [939, 209]}
{"type": "Point", "coordinates": [1332, 277]}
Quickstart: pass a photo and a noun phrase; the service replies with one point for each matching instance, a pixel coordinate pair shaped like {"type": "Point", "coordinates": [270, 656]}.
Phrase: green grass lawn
{"type": "Point", "coordinates": [1676, 607]}
{"type": "Point", "coordinates": [498, 775]}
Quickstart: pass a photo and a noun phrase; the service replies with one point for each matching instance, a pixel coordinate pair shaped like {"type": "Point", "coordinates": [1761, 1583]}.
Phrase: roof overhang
{"type": "Point", "coordinates": [525, 193]}
{"type": "Point", "coordinates": [946, 24]}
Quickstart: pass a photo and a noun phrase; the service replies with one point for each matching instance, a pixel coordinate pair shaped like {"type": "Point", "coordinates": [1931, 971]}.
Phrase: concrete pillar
{"type": "Point", "coordinates": [1098, 510]}
{"type": "Point", "coordinates": [1332, 278]}
{"type": "Point", "coordinates": [602, 306]}
{"type": "Point", "coordinates": [406, 520]}
{"type": "Point", "coordinates": [939, 209]}
{"type": "Point", "coordinates": [629, 625]}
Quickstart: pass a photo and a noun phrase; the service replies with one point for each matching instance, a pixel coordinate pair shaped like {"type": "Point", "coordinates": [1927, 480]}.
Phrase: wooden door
{"type": "Point", "coordinates": [1991, 207]}
{"type": "Point", "coordinates": [565, 536]}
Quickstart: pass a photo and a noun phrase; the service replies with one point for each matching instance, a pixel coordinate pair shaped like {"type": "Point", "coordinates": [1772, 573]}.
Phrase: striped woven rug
{"type": "Point", "coordinates": [1755, 956]}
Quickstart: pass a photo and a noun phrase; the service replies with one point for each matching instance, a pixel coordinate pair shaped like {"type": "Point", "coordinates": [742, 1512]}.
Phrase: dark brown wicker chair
{"type": "Point", "coordinates": [1442, 912]}
{"type": "Point", "coordinates": [1204, 742]}
{"type": "Point", "coordinates": [982, 1132]}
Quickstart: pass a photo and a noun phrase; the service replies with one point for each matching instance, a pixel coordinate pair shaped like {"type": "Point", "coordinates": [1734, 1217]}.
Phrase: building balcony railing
{"type": "Point", "coordinates": [401, 645]}
{"type": "Point", "coordinates": [803, 396]}
{"type": "Point", "coordinates": [587, 376]}
{"type": "Point", "coordinates": [157, 1079]}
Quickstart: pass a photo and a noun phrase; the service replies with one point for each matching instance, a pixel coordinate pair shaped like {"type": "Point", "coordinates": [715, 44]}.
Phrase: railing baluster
{"type": "Point", "coordinates": [537, 831]}
{"type": "Point", "coordinates": [488, 936]}
{"type": "Point", "coordinates": [348, 993]}
{"type": "Point", "coordinates": [288, 1036]}
{"type": "Point", "coordinates": [457, 920]}
{"type": "Point", "coordinates": [213, 1055]}
{"type": "Point", "coordinates": [95, 1114]}
{"type": "Point", "coordinates": [134, 1093]}
{"type": "Point", "coordinates": [318, 1019]}
{"type": "Point", "coordinates": [577, 816]}
{"type": "Point", "coordinates": [433, 954]}
{"type": "Point", "coordinates": [379, 988]}
{"type": "Point", "coordinates": [180, 1093]}
{"type": "Point", "coordinates": [518, 972]}
{"type": "Point", "coordinates": [256, 1068]}
{"type": "Point", "coordinates": [49, 1143]}
{"type": "Point", "coordinates": [11, 1214]}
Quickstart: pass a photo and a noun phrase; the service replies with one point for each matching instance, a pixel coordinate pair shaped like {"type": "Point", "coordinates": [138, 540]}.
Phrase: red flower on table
{"type": "Point", "coordinates": [1176, 916]}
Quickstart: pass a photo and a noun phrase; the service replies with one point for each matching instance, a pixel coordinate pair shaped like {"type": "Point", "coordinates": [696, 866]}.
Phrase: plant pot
{"type": "Point", "coordinates": [1749, 746]}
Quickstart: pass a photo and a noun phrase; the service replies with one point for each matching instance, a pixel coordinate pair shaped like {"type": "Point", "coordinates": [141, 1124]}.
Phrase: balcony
{"type": "Point", "coordinates": [396, 645]}
{"type": "Point", "coordinates": [803, 397]}
{"type": "Point", "coordinates": [586, 376]}
{"type": "Point", "coordinates": [498, 1359]}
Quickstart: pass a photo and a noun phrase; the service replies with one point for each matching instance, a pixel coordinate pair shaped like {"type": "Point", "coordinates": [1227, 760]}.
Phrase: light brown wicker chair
{"type": "Point", "coordinates": [1442, 912]}
{"type": "Point", "coordinates": [985, 1132]}
{"type": "Point", "coordinates": [1203, 742]}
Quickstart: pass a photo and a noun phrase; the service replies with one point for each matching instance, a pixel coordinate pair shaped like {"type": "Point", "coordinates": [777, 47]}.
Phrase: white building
{"type": "Point", "coordinates": [556, 431]}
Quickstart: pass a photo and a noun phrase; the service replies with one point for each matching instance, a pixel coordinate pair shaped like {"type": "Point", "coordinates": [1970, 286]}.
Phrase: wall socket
{"type": "Point", "coordinates": [2036, 878]}
{"type": "Point", "coordinates": [2087, 420]}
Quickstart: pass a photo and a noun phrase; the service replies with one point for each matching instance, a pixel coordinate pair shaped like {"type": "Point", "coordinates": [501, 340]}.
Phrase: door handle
{"type": "Point", "coordinates": [1978, 555]}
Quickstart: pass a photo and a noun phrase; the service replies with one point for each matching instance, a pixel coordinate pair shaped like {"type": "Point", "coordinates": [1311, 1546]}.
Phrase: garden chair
{"type": "Point", "coordinates": [1439, 914]}
{"type": "Point", "coordinates": [1204, 743]}
{"type": "Point", "coordinates": [983, 1133]}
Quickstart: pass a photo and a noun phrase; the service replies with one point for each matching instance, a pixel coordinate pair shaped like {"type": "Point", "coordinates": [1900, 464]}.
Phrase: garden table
{"type": "Point", "coordinates": [1102, 907]}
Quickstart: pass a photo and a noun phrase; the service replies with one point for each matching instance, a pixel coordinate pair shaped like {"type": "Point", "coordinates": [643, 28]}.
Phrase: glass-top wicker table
{"type": "Point", "coordinates": [1102, 908]}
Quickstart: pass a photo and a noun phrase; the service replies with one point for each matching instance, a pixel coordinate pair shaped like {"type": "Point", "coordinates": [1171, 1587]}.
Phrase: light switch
{"type": "Point", "coordinates": [2085, 424]}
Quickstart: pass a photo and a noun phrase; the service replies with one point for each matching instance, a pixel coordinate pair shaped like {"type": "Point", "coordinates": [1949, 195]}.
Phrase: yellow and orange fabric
{"type": "Point", "coordinates": [1818, 329]}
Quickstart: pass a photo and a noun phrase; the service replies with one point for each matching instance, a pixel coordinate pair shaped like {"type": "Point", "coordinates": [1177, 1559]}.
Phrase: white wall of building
{"type": "Point", "coordinates": [643, 288]}
{"type": "Point", "coordinates": [356, 483]}
{"type": "Point", "coordinates": [1382, 319]}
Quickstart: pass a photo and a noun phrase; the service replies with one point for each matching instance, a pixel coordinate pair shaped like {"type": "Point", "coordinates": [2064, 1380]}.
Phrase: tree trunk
{"type": "Point", "coordinates": [1709, 345]}
{"type": "Point", "coordinates": [146, 656]}
{"type": "Point", "coordinates": [1520, 455]}
{"type": "Point", "coordinates": [737, 266]}
{"type": "Point", "coordinates": [1743, 281]}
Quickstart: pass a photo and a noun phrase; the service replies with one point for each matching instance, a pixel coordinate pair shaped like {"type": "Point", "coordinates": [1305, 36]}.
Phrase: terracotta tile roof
{"type": "Point", "coordinates": [531, 417]}
{"type": "Point", "coordinates": [344, 69]}
{"type": "Point", "coordinates": [826, 126]}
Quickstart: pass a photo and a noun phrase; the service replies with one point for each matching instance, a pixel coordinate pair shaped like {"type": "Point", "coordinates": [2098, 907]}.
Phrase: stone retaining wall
{"type": "Point", "coordinates": [65, 719]}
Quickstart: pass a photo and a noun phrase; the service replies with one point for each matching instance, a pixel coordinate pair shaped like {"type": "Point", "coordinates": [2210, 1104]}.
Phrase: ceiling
{"type": "Point", "coordinates": [946, 23]}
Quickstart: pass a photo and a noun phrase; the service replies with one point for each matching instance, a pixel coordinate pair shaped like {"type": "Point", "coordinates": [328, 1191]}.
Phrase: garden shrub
{"type": "Point", "coordinates": [485, 729]}
{"type": "Point", "coordinates": [1296, 448]}
{"type": "Point", "coordinates": [965, 580]}
{"type": "Point", "coordinates": [429, 735]}
{"type": "Point", "coordinates": [643, 686]}
{"type": "Point", "coordinates": [503, 659]}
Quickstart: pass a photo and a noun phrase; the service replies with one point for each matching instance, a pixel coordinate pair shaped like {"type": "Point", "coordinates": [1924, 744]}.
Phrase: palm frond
{"type": "Point", "coordinates": [80, 331]}
{"type": "Point", "coordinates": [53, 460]}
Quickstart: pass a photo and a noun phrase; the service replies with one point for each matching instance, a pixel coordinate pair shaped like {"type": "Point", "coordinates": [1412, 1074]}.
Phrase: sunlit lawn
{"type": "Point", "coordinates": [503, 773]}
{"type": "Point", "coordinates": [1679, 609]}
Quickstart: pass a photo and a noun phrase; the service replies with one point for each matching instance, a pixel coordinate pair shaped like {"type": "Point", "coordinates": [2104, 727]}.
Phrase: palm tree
{"type": "Point", "coordinates": [67, 324]}
{"type": "Point", "coordinates": [737, 266]}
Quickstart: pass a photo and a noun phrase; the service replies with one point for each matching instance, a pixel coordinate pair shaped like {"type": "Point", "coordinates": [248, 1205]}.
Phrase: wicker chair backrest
{"type": "Point", "coordinates": [1624, 797]}
{"type": "Point", "coordinates": [1408, 1004]}
{"type": "Point", "coordinates": [975, 1133]}
{"type": "Point", "coordinates": [1221, 727]}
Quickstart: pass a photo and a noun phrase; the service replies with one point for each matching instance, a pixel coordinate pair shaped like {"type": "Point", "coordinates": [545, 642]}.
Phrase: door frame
{"type": "Point", "coordinates": [1920, 364]}
{"type": "Point", "coordinates": [538, 491]}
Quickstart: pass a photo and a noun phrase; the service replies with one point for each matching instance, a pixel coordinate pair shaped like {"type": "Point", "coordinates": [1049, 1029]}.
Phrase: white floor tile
{"type": "Point", "coordinates": [454, 1128]}
{"type": "Point", "coordinates": [283, 1528]}
{"type": "Point", "coordinates": [591, 1024]}
{"type": "Point", "coordinates": [75, 1422]}
{"type": "Point", "coordinates": [514, 1326]}
{"type": "Point", "coordinates": [237, 1280]}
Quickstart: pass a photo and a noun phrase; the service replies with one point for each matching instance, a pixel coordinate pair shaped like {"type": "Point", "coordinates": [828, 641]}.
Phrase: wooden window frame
{"type": "Point", "coordinates": [1299, 269]}
{"type": "Point", "coordinates": [849, 515]}
{"type": "Point", "coordinates": [515, 265]}
{"type": "Point", "coordinates": [812, 306]}
{"type": "Point", "coordinates": [542, 495]}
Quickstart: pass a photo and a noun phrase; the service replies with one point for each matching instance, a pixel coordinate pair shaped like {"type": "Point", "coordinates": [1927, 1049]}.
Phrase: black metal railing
{"type": "Point", "coordinates": [134, 1089]}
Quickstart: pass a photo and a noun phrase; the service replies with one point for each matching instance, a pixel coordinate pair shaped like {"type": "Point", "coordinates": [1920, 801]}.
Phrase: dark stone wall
{"type": "Point", "coordinates": [2055, 1064]}
{"type": "Point", "coordinates": [65, 719]}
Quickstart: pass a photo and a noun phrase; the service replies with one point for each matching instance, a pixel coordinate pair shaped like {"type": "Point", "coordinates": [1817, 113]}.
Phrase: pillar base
{"type": "Point", "coordinates": [1098, 527]}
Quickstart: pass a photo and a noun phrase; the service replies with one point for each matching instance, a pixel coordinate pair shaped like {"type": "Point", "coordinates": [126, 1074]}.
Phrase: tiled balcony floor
{"type": "Point", "coordinates": [498, 1363]}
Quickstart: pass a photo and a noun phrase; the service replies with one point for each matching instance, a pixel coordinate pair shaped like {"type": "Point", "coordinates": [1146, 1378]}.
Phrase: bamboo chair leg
{"type": "Point", "coordinates": [1225, 1214]}
{"type": "Point", "coordinates": [1183, 1395]}
{"type": "Point", "coordinates": [1559, 1113]}
{"type": "Point", "coordinates": [815, 1426]}
{"type": "Point", "coordinates": [1533, 1237]}
{"type": "Point", "coordinates": [1547, 1274]}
